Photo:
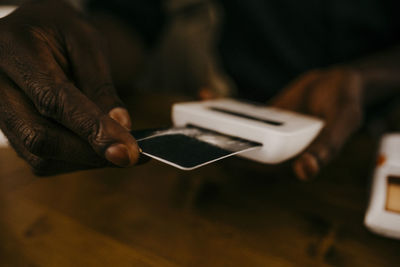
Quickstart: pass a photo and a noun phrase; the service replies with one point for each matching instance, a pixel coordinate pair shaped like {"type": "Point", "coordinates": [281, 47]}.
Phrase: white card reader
{"type": "Point", "coordinates": [283, 134]}
{"type": "Point", "coordinates": [383, 213]}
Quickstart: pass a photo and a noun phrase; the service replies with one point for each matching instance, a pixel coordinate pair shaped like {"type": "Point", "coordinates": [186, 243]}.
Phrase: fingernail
{"type": "Point", "coordinates": [121, 116]}
{"type": "Point", "coordinates": [306, 167]}
{"type": "Point", "coordinates": [311, 164]}
{"type": "Point", "coordinates": [299, 171]}
{"type": "Point", "coordinates": [118, 155]}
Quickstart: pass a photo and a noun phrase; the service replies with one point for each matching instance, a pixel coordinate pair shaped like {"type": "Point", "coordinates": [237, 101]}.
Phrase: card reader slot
{"type": "Point", "coordinates": [223, 134]}
{"type": "Point", "coordinates": [246, 116]}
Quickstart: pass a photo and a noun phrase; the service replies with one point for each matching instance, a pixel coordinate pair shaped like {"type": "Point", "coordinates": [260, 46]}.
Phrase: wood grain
{"type": "Point", "coordinates": [231, 213]}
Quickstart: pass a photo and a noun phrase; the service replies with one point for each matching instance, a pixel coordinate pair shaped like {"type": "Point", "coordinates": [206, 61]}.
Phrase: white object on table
{"type": "Point", "coordinates": [3, 140]}
{"type": "Point", "coordinates": [283, 134]}
{"type": "Point", "coordinates": [4, 11]}
{"type": "Point", "coordinates": [381, 217]}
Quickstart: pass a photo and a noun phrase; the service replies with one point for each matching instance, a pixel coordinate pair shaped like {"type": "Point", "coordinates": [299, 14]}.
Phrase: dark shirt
{"type": "Point", "coordinates": [265, 44]}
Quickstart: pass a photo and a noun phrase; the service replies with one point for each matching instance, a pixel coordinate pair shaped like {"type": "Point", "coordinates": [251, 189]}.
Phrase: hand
{"type": "Point", "coordinates": [59, 109]}
{"type": "Point", "coordinates": [334, 95]}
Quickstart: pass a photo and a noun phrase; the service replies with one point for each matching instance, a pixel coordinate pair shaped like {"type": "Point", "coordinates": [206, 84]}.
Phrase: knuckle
{"type": "Point", "coordinates": [48, 100]}
{"type": "Point", "coordinates": [96, 134]}
{"type": "Point", "coordinates": [34, 140]}
{"type": "Point", "coordinates": [88, 127]}
{"type": "Point", "coordinates": [91, 129]}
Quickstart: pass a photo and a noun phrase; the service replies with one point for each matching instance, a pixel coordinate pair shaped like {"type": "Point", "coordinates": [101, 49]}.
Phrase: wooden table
{"type": "Point", "coordinates": [231, 213]}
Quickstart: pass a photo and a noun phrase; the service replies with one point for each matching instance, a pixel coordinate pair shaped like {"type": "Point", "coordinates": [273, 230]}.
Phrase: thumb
{"type": "Point", "coordinates": [309, 163]}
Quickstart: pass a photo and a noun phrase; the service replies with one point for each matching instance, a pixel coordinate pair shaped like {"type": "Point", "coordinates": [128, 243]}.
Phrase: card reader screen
{"type": "Point", "coordinates": [393, 194]}
{"type": "Point", "coordinates": [246, 116]}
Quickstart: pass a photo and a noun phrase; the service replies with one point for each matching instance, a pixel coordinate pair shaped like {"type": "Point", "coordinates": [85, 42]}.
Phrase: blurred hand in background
{"type": "Point", "coordinates": [334, 95]}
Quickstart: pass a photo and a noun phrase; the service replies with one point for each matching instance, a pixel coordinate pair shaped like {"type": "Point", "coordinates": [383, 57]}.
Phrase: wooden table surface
{"type": "Point", "coordinates": [231, 213]}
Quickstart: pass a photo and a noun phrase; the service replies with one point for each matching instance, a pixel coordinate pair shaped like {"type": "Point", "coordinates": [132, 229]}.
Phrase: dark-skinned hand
{"type": "Point", "coordinates": [334, 95]}
{"type": "Point", "coordinates": [59, 109]}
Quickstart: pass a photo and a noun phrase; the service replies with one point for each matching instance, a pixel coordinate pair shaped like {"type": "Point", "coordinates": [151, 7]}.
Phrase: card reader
{"type": "Point", "coordinates": [383, 213]}
{"type": "Point", "coordinates": [283, 134]}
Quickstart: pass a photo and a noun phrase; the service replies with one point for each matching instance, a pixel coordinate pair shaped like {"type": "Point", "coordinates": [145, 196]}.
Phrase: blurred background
{"type": "Point", "coordinates": [234, 212]}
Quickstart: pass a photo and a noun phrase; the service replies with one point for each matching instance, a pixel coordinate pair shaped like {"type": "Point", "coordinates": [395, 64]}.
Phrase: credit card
{"type": "Point", "coordinates": [190, 147]}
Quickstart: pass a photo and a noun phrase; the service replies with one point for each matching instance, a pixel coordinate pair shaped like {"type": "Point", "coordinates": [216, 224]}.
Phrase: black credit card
{"type": "Point", "coordinates": [188, 148]}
